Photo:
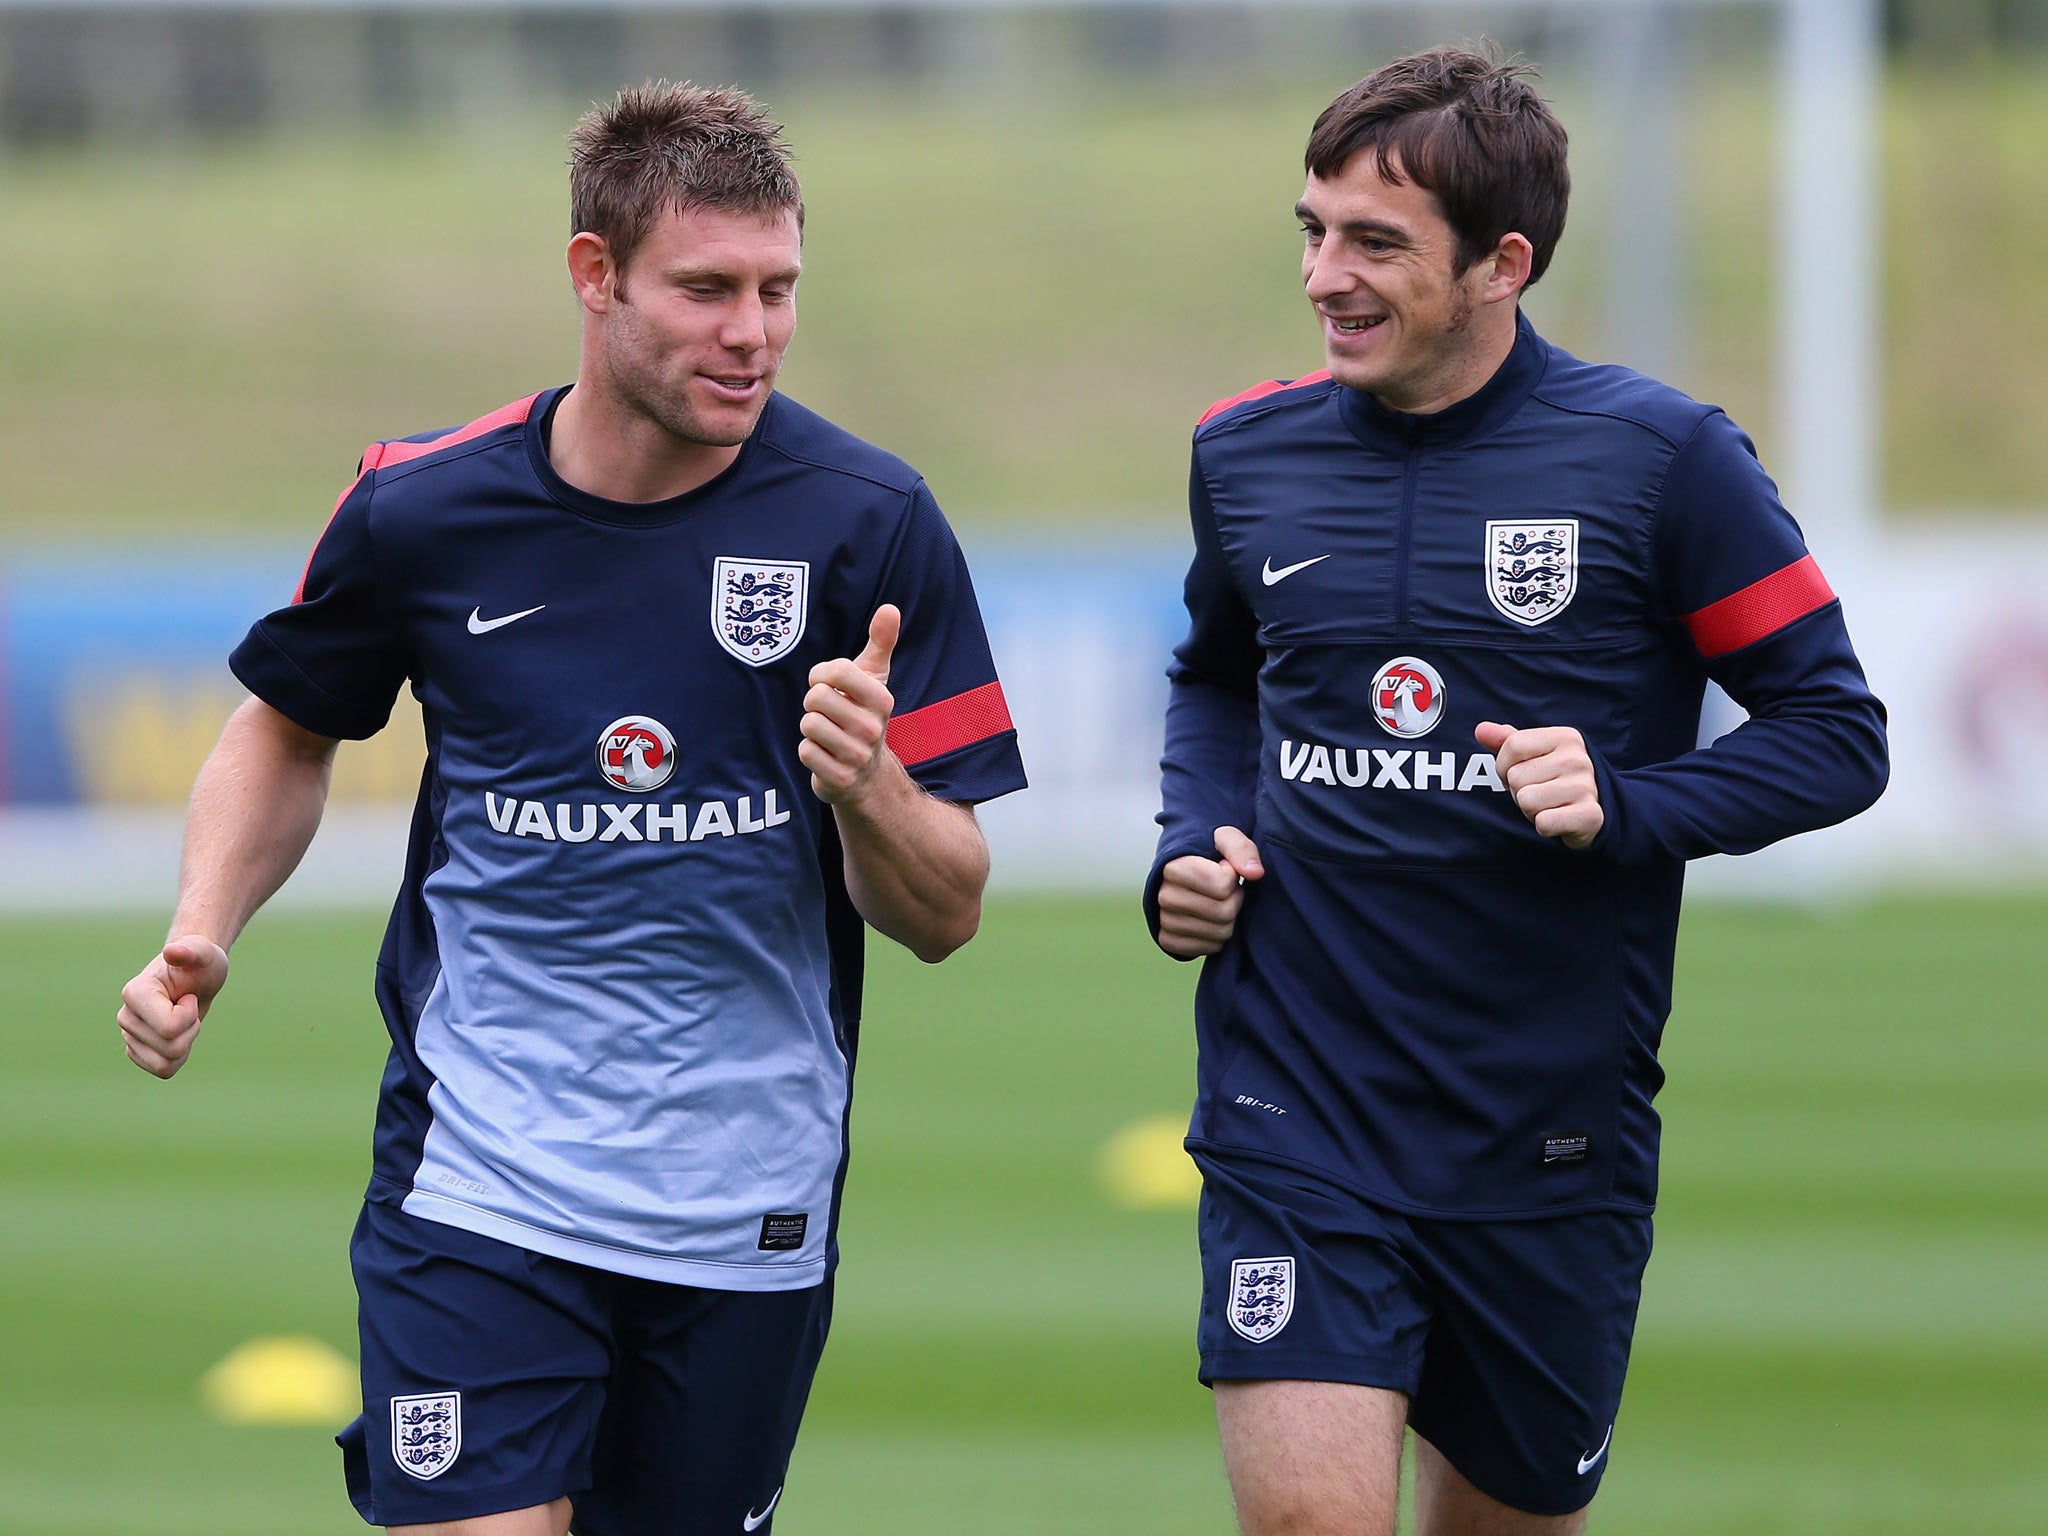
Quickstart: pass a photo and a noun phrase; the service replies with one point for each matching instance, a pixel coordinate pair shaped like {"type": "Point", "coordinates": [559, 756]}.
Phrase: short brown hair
{"type": "Point", "coordinates": [663, 147]}
{"type": "Point", "coordinates": [1470, 130]}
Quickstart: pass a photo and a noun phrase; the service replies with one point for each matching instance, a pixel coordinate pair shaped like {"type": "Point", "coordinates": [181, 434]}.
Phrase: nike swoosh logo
{"type": "Point", "coordinates": [1586, 1463]}
{"type": "Point", "coordinates": [479, 625]}
{"type": "Point", "coordinates": [754, 1522]}
{"type": "Point", "coordinates": [1269, 575]}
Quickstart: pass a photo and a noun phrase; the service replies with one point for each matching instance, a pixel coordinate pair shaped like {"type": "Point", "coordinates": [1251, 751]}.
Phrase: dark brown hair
{"type": "Point", "coordinates": [665, 147]}
{"type": "Point", "coordinates": [1472, 131]}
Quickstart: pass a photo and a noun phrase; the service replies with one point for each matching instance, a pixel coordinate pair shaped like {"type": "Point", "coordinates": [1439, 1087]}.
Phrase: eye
{"type": "Point", "coordinates": [1312, 233]}
{"type": "Point", "coordinates": [704, 291]}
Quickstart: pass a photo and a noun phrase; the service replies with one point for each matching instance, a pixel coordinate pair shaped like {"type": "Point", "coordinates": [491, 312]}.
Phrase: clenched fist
{"type": "Point", "coordinates": [1199, 898]}
{"type": "Point", "coordinates": [161, 1009]}
{"type": "Point", "coordinates": [1550, 774]}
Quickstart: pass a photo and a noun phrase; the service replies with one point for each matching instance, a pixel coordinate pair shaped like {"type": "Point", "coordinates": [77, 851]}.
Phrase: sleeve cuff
{"type": "Point", "coordinates": [983, 770]}
{"type": "Point", "coordinates": [1609, 843]}
{"type": "Point", "coordinates": [272, 676]}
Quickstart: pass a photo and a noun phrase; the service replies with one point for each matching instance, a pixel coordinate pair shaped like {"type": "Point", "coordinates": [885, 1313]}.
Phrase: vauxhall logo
{"type": "Point", "coordinates": [1308, 762]}
{"type": "Point", "coordinates": [635, 753]}
{"type": "Point", "coordinates": [1407, 699]}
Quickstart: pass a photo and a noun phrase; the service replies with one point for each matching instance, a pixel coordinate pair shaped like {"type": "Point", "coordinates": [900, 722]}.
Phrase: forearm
{"type": "Point", "coordinates": [1812, 753]}
{"type": "Point", "coordinates": [1767, 780]}
{"type": "Point", "coordinates": [255, 808]}
{"type": "Point", "coordinates": [1208, 774]}
{"type": "Point", "coordinates": [915, 866]}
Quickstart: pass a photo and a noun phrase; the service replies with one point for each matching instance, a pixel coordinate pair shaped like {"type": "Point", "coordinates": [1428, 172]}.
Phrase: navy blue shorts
{"type": "Point", "coordinates": [1510, 1338]}
{"type": "Point", "coordinates": [495, 1379]}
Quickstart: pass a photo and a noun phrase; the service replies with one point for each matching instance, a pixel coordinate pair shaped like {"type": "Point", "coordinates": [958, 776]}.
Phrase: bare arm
{"type": "Point", "coordinates": [915, 865]}
{"type": "Point", "coordinates": [254, 810]}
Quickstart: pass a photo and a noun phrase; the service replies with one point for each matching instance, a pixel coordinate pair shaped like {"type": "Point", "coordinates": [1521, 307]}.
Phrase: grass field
{"type": "Point", "coordinates": [1844, 1334]}
{"type": "Point", "coordinates": [1031, 299]}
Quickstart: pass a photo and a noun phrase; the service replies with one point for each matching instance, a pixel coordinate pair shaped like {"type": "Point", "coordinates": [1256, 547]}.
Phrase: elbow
{"type": "Point", "coordinates": [943, 939]}
{"type": "Point", "coordinates": [1874, 762]}
{"type": "Point", "coordinates": [1875, 782]}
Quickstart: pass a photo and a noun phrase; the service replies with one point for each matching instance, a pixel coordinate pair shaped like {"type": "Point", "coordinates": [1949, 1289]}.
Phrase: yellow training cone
{"type": "Point", "coordinates": [282, 1381]}
{"type": "Point", "coordinates": [1145, 1168]}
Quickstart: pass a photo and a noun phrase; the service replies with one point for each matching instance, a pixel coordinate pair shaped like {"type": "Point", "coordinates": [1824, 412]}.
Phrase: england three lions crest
{"type": "Point", "coordinates": [758, 607]}
{"type": "Point", "coordinates": [1532, 568]}
{"type": "Point", "coordinates": [1261, 1297]}
{"type": "Point", "coordinates": [426, 1433]}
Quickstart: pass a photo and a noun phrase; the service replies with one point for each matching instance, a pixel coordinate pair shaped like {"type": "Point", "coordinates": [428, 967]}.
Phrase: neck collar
{"type": "Point", "coordinates": [1481, 411]}
{"type": "Point", "coordinates": [540, 424]}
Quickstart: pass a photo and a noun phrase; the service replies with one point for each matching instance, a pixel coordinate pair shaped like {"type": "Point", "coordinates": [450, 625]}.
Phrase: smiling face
{"type": "Point", "coordinates": [691, 334]}
{"type": "Point", "coordinates": [1399, 321]}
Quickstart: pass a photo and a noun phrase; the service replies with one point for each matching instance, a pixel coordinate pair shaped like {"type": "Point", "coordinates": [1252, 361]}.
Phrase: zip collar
{"type": "Point", "coordinates": [1398, 432]}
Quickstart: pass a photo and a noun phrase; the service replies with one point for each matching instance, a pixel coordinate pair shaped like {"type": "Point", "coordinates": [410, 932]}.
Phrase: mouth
{"type": "Point", "coordinates": [737, 388]}
{"type": "Point", "coordinates": [1353, 325]}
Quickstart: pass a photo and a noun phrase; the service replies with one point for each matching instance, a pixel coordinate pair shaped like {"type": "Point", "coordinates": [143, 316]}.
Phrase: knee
{"type": "Point", "coordinates": [1308, 1516]}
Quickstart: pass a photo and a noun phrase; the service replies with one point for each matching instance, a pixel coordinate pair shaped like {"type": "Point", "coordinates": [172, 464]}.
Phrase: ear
{"type": "Point", "coordinates": [1510, 265]}
{"type": "Point", "coordinates": [592, 272]}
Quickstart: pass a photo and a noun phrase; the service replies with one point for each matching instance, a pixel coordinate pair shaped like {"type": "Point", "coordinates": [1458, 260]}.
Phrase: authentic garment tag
{"type": "Point", "coordinates": [784, 1231]}
{"type": "Point", "coordinates": [1558, 1147]}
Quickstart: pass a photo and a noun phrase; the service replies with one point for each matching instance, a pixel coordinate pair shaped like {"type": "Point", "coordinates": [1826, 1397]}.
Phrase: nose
{"type": "Point", "coordinates": [746, 324]}
{"type": "Point", "coordinates": [1323, 273]}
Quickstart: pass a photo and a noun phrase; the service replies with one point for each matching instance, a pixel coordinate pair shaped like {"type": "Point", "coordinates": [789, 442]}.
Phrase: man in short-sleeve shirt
{"type": "Point", "coordinates": [1430, 781]}
{"type": "Point", "coordinates": [706, 692]}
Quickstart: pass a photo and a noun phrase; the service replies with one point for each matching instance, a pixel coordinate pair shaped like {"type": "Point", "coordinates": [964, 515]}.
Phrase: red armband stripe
{"type": "Point", "coordinates": [1260, 391]}
{"type": "Point", "coordinates": [950, 724]}
{"type": "Point", "coordinates": [1760, 609]}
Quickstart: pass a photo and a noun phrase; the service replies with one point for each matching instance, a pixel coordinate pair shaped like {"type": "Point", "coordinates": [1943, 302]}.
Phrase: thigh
{"type": "Point", "coordinates": [1523, 1376]}
{"type": "Point", "coordinates": [483, 1373]}
{"type": "Point", "coordinates": [1311, 1458]}
{"type": "Point", "coordinates": [536, 1520]}
{"type": "Point", "coordinates": [1446, 1504]}
{"type": "Point", "coordinates": [1303, 1281]}
{"type": "Point", "coordinates": [703, 1412]}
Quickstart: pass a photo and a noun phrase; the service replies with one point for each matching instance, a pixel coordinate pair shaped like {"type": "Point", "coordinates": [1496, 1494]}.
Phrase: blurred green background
{"type": "Point", "coordinates": [1031, 300]}
{"type": "Point", "coordinates": [1029, 285]}
{"type": "Point", "coordinates": [1842, 1334]}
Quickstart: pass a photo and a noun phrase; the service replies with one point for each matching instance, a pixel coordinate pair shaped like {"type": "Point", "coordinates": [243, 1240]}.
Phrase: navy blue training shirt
{"type": "Point", "coordinates": [1425, 999]}
{"type": "Point", "coordinates": [623, 976]}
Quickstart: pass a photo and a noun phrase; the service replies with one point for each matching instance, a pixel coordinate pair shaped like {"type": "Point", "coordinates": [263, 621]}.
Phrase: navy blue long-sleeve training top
{"type": "Point", "coordinates": [1424, 999]}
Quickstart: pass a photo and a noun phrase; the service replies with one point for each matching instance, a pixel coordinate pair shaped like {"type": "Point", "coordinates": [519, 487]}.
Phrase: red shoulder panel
{"type": "Point", "coordinates": [1260, 391]}
{"type": "Point", "coordinates": [369, 454]}
{"type": "Point", "coordinates": [1760, 609]}
{"type": "Point", "coordinates": [384, 455]}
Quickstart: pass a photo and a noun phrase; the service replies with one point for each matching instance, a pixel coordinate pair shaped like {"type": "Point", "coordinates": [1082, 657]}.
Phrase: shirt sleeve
{"type": "Point", "coordinates": [951, 727]}
{"type": "Point", "coordinates": [330, 661]}
{"type": "Point", "coordinates": [1209, 772]}
{"type": "Point", "coordinates": [1740, 590]}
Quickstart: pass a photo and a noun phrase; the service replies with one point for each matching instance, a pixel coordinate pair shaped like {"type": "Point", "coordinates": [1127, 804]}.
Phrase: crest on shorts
{"type": "Point", "coordinates": [426, 1433]}
{"type": "Point", "coordinates": [1261, 1297]}
{"type": "Point", "coordinates": [758, 606]}
{"type": "Point", "coordinates": [1532, 568]}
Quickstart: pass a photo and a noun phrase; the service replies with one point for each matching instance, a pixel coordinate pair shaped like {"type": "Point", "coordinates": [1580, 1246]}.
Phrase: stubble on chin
{"type": "Point", "coordinates": [669, 410]}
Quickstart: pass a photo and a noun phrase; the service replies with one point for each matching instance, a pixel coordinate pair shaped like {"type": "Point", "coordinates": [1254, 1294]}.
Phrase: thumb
{"type": "Point", "coordinates": [1239, 852]}
{"type": "Point", "coordinates": [1491, 736]}
{"type": "Point", "coordinates": [884, 629]}
{"type": "Point", "coordinates": [190, 963]}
